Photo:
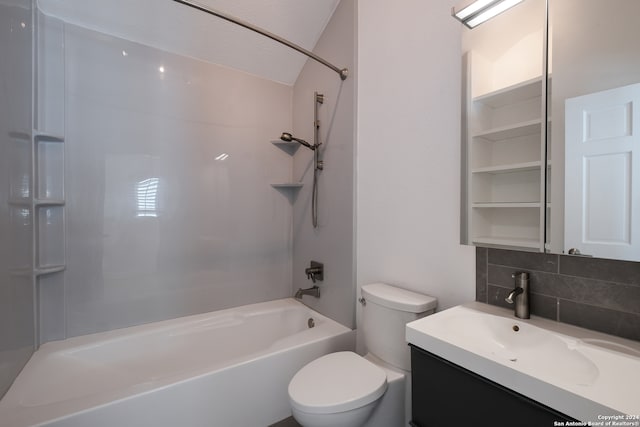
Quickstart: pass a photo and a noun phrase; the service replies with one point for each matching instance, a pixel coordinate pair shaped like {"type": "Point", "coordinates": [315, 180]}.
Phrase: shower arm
{"type": "Point", "coordinates": [342, 72]}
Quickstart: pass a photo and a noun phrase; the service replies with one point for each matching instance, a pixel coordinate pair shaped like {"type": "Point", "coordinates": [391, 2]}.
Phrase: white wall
{"type": "Point", "coordinates": [332, 243]}
{"type": "Point", "coordinates": [408, 183]}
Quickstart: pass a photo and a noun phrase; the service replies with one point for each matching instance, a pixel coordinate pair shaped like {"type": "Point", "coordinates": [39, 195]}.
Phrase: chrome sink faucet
{"type": "Point", "coordinates": [520, 295]}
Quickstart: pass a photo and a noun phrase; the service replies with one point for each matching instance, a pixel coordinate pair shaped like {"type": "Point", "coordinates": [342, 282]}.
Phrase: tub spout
{"type": "Point", "coordinates": [313, 291]}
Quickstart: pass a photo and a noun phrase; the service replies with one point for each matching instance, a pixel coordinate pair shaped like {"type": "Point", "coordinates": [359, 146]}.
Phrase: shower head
{"type": "Point", "coordinates": [286, 136]}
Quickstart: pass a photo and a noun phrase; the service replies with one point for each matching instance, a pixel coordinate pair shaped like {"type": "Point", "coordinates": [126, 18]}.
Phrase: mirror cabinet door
{"type": "Point", "coordinates": [594, 120]}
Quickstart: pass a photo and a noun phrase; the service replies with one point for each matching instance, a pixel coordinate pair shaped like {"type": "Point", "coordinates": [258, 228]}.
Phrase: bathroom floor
{"type": "Point", "coordinates": [287, 422]}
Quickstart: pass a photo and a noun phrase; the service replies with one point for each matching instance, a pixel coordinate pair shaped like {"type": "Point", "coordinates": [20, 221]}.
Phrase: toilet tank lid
{"type": "Point", "coordinates": [398, 299]}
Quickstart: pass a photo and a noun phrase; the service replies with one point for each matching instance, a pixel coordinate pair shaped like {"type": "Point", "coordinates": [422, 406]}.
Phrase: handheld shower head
{"type": "Point", "coordinates": [286, 136]}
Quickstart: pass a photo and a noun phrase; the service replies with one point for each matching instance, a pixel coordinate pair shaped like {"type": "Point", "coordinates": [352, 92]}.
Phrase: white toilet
{"type": "Point", "coordinates": [347, 390]}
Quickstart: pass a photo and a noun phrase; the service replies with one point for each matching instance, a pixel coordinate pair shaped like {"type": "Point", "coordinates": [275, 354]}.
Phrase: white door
{"type": "Point", "coordinates": [602, 217]}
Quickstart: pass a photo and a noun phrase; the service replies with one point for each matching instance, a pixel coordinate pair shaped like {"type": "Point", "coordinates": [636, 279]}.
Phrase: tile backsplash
{"type": "Point", "coordinates": [598, 294]}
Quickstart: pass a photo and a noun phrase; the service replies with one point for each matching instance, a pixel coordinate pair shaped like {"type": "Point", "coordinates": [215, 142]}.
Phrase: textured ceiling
{"type": "Point", "coordinates": [171, 26]}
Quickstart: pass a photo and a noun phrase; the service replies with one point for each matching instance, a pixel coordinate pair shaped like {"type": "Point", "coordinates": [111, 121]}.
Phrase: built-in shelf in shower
{"type": "Point", "coordinates": [288, 185]}
{"type": "Point", "coordinates": [49, 202]}
{"type": "Point", "coordinates": [287, 189]}
{"type": "Point", "coordinates": [289, 147]}
{"type": "Point", "coordinates": [20, 135]}
{"type": "Point", "coordinates": [36, 135]}
{"type": "Point", "coordinates": [36, 202]}
{"type": "Point", "coordinates": [43, 136]}
{"type": "Point", "coordinates": [41, 271]}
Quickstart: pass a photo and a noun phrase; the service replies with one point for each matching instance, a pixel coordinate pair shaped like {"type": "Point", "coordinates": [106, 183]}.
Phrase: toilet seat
{"type": "Point", "coordinates": [336, 382]}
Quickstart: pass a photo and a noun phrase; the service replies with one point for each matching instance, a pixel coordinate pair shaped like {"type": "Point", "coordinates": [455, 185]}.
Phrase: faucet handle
{"type": "Point", "coordinates": [520, 275]}
{"type": "Point", "coordinates": [521, 279]}
{"type": "Point", "coordinates": [315, 271]}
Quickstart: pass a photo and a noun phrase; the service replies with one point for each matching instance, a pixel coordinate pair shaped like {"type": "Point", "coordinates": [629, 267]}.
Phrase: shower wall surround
{"type": "Point", "coordinates": [169, 211]}
{"type": "Point", "coordinates": [598, 294]}
{"type": "Point", "coordinates": [16, 209]}
{"type": "Point", "coordinates": [332, 243]}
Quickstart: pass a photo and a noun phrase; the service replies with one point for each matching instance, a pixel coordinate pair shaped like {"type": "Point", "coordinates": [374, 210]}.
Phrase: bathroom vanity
{"type": "Point", "coordinates": [477, 362]}
{"type": "Point", "coordinates": [445, 394]}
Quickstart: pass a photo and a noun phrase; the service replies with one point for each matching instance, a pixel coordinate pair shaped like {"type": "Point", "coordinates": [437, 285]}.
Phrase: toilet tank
{"type": "Point", "coordinates": [385, 312]}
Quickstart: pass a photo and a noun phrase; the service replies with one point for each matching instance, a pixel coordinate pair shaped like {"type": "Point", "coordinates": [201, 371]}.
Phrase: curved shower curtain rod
{"type": "Point", "coordinates": [342, 72]}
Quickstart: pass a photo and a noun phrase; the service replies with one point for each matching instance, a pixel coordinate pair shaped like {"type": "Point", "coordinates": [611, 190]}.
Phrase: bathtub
{"type": "Point", "coordinates": [228, 368]}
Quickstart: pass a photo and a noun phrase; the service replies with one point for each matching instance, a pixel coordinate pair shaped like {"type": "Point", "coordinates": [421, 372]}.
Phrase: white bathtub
{"type": "Point", "coordinates": [227, 368]}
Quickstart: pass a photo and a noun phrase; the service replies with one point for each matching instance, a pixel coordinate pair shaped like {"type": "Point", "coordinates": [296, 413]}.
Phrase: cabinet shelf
{"type": "Point", "coordinates": [505, 199]}
{"type": "Point", "coordinates": [512, 94]}
{"type": "Point", "coordinates": [529, 127]}
{"type": "Point", "coordinates": [507, 241]}
{"type": "Point", "coordinates": [509, 168]}
{"type": "Point", "coordinates": [506, 205]}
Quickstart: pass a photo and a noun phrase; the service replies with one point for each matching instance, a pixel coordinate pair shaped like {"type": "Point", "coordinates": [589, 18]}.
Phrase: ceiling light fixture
{"type": "Point", "coordinates": [475, 12]}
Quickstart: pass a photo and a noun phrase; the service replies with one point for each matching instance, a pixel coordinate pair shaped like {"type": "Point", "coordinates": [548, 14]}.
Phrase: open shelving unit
{"type": "Point", "coordinates": [504, 178]}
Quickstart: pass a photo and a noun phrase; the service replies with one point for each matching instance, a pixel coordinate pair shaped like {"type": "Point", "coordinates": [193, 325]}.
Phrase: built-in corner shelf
{"type": "Point", "coordinates": [289, 147]}
{"type": "Point", "coordinates": [36, 202]}
{"type": "Point", "coordinates": [288, 185]}
{"type": "Point", "coordinates": [36, 135]}
{"type": "Point", "coordinates": [49, 202]}
{"type": "Point", "coordinates": [46, 137]}
{"type": "Point", "coordinates": [25, 136]}
{"type": "Point", "coordinates": [41, 271]}
{"type": "Point", "coordinates": [289, 189]}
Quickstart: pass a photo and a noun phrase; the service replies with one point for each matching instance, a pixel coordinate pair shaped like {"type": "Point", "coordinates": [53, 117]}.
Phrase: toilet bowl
{"type": "Point", "coordinates": [345, 389]}
{"type": "Point", "coordinates": [361, 385]}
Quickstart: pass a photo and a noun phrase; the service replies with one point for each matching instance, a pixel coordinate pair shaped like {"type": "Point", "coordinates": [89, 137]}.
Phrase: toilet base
{"type": "Point", "coordinates": [353, 418]}
{"type": "Point", "coordinates": [392, 410]}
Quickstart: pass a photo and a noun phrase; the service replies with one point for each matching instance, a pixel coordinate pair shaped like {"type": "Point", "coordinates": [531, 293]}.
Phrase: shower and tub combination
{"type": "Point", "coordinates": [226, 368]}
{"type": "Point", "coordinates": [159, 219]}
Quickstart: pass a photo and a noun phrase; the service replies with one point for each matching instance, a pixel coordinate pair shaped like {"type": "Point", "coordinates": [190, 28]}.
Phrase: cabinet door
{"type": "Point", "coordinates": [444, 395]}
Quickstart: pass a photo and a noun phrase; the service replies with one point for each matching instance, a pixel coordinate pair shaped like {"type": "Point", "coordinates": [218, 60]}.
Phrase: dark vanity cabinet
{"type": "Point", "coordinates": [445, 394]}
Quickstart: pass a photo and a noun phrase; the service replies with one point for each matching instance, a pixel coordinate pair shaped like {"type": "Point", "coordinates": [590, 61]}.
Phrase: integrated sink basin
{"type": "Point", "coordinates": [581, 373]}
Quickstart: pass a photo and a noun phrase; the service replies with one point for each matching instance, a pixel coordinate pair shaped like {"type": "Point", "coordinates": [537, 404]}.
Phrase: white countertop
{"type": "Point", "coordinates": [584, 374]}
